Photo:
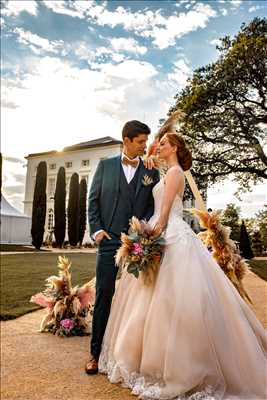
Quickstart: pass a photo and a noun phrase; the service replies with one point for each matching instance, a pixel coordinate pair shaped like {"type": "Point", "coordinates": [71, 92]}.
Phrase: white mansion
{"type": "Point", "coordinates": [81, 158]}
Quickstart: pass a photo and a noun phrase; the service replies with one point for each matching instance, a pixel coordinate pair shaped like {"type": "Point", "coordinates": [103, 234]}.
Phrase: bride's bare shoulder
{"type": "Point", "coordinates": [174, 174]}
{"type": "Point", "coordinates": [176, 170]}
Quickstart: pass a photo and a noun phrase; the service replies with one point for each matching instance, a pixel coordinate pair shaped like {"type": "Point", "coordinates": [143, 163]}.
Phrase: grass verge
{"type": "Point", "coordinates": [259, 267]}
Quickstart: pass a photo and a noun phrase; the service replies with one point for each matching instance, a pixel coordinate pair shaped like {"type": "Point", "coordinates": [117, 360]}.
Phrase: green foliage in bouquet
{"type": "Point", "coordinates": [141, 252]}
{"type": "Point", "coordinates": [68, 309]}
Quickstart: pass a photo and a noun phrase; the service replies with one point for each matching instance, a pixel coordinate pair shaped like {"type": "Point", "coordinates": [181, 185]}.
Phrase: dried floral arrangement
{"type": "Point", "coordinates": [224, 250]}
{"type": "Point", "coordinates": [68, 308]}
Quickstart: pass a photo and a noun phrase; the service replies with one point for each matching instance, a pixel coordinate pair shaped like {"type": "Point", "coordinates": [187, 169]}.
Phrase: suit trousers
{"type": "Point", "coordinates": [106, 272]}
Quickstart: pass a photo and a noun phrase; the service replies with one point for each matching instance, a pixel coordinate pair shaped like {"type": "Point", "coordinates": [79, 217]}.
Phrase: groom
{"type": "Point", "coordinates": [120, 189]}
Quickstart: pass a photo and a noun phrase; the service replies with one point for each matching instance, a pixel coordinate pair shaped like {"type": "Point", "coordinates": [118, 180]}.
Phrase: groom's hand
{"type": "Point", "coordinates": [100, 236]}
{"type": "Point", "coordinates": [149, 162]}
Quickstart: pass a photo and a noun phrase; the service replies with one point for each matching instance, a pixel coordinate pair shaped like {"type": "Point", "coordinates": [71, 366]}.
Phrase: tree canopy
{"type": "Point", "coordinates": [226, 111]}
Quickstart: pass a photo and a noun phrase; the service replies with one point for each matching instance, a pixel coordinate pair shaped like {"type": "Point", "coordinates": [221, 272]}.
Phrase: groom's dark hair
{"type": "Point", "coordinates": [134, 128]}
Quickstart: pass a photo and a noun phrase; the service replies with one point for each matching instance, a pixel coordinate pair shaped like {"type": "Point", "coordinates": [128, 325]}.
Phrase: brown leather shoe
{"type": "Point", "coordinates": [91, 367]}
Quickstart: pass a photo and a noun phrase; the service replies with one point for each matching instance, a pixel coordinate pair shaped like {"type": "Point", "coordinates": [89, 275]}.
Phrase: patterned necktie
{"type": "Point", "coordinates": [133, 163]}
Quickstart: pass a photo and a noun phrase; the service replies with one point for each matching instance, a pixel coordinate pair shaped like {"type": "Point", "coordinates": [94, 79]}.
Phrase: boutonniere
{"type": "Point", "coordinates": [147, 180]}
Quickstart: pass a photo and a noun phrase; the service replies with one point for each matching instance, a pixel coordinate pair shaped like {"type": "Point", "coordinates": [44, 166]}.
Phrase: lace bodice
{"type": "Point", "coordinates": [177, 207]}
{"type": "Point", "coordinates": [177, 229]}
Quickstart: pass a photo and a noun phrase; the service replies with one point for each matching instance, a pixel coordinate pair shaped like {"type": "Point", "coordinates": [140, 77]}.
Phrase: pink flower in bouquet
{"type": "Point", "coordinates": [137, 249]}
{"type": "Point", "coordinates": [67, 323]}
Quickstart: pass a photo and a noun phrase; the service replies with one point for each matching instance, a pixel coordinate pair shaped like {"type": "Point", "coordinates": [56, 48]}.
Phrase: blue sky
{"type": "Point", "coordinates": [76, 70]}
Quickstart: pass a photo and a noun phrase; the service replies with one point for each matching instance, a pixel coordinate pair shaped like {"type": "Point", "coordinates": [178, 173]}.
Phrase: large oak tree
{"type": "Point", "coordinates": [226, 110]}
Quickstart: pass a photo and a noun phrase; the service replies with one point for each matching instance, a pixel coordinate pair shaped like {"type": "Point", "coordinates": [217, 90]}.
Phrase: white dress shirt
{"type": "Point", "coordinates": [129, 173]}
{"type": "Point", "coordinates": [128, 170]}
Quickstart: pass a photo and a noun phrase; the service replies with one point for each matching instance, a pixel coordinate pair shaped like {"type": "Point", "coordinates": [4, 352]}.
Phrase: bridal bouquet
{"type": "Point", "coordinates": [68, 309]}
{"type": "Point", "coordinates": [141, 252]}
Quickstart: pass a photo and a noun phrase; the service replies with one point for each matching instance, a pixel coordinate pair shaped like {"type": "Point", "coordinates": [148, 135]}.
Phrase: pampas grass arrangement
{"type": "Point", "coordinates": [68, 308]}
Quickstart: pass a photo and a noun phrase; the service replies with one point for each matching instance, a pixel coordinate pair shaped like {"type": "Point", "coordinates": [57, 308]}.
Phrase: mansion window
{"type": "Point", "coordinates": [52, 166]}
{"type": "Point", "coordinates": [50, 224]}
{"type": "Point", "coordinates": [85, 163]}
{"type": "Point", "coordinates": [68, 164]}
{"type": "Point", "coordinates": [51, 186]}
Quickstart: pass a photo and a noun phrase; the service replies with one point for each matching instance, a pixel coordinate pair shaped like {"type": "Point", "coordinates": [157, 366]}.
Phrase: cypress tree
{"type": "Point", "coordinates": [73, 210]}
{"type": "Point", "coordinates": [39, 206]}
{"type": "Point", "coordinates": [82, 217]}
{"type": "Point", "coordinates": [60, 207]}
{"type": "Point", "coordinates": [245, 247]}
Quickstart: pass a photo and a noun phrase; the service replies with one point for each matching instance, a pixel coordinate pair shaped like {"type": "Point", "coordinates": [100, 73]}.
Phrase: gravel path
{"type": "Point", "coordinates": [45, 367]}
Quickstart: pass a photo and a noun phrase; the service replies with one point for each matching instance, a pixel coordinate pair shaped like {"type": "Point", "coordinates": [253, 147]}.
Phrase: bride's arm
{"type": "Point", "coordinates": [174, 182]}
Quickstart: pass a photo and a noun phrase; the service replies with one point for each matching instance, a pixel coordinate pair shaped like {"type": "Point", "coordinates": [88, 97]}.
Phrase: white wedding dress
{"type": "Point", "coordinates": [191, 336]}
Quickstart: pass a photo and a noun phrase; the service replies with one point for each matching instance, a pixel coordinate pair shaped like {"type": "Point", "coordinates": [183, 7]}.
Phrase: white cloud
{"type": "Point", "coordinates": [15, 7]}
{"type": "Point", "coordinates": [127, 45]}
{"type": "Point", "coordinates": [254, 8]}
{"type": "Point", "coordinates": [131, 70]}
{"type": "Point", "coordinates": [84, 52]}
{"type": "Point", "coordinates": [150, 24]}
{"type": "Point", "coordinates": [14, 176]}
{"type": "Point", "coordinates": [180, 73]}
{"type": "Point", "coordinates": [13, 160]}
{"type": "Point", "coordinates": [222, 194]}
{"type": "Point", "coordinates": [224, 11]}
{"type": "Point", "coordinates": [178, 25]}
{"type": "Point", "coordinates": [236, 3]}
{"type": "Point", "coordinates": [183, 2]}
{"type": "Point", "coordinates": [2, 23]}
{"type": "Point", "coordinates": [61, 7]}
{"type": "Point", "coordinates": [215, 42]}
{"type": "Point", "coordinates": [37, 43]}
{"type": "Point", "coordinates": [117, 57]}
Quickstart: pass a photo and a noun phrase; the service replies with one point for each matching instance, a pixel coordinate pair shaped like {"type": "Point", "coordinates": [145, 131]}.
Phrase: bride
{"type": "Point", "coordinates": [190, 335]}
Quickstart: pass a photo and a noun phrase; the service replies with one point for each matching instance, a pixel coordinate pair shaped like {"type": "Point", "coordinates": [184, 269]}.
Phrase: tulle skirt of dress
{"type": "Point", "coordinates": [191, 336]}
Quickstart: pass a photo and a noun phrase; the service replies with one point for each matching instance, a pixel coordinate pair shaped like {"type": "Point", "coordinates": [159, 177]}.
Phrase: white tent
{"type": "Point", "coordinates": [15, 226]}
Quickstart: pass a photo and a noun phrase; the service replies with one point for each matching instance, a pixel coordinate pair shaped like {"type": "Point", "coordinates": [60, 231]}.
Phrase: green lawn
{"type": "Point", "coordinates": [259, 267]}
{"type": "Point", "coordinates": [23, 275]}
